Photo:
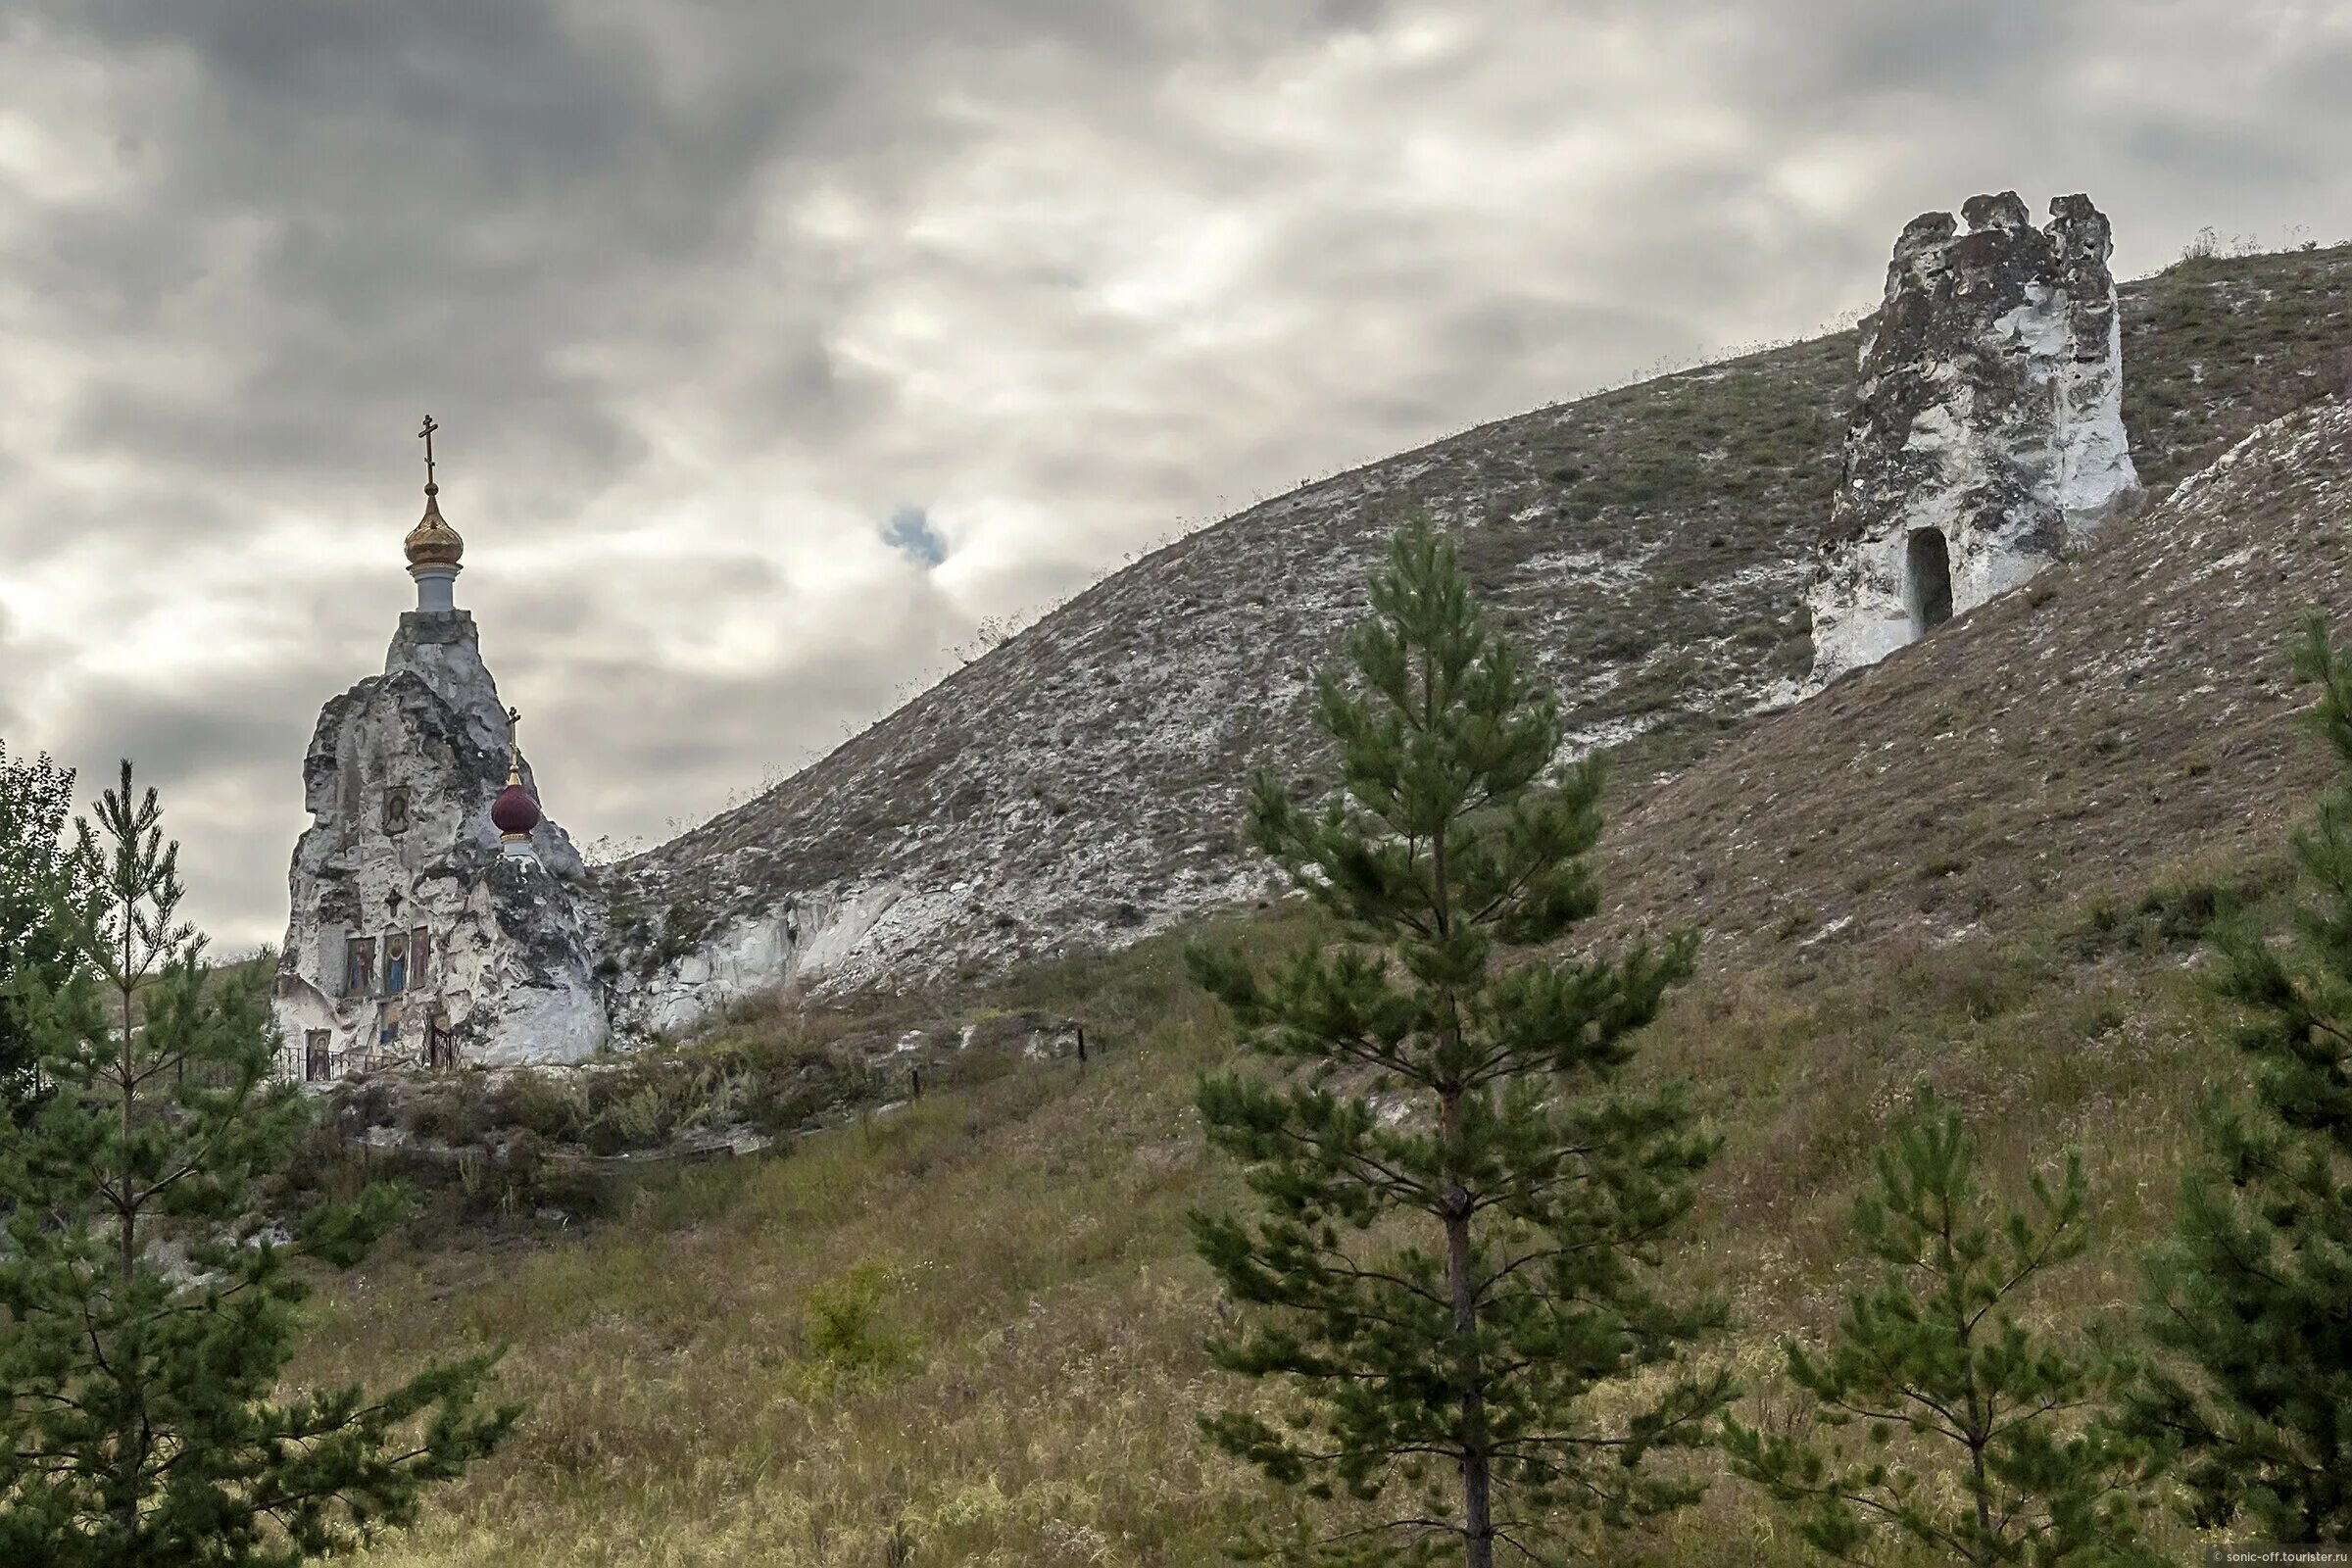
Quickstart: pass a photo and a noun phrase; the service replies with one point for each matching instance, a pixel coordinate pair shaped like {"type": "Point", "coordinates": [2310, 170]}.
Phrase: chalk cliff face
{"type": "Point", "coordinates": [1648, 549]}
{"type": "Point", "coordinates": [412, 942]}
{"type": "Point", "coordinates": [1989, 434]}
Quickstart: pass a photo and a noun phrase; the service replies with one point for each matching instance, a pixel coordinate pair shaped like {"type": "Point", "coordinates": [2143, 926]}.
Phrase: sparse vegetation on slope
{"type": "Point", "coordinates": [2128, 704]}
{"type": "Point", "coordinates": [966, 1333]}
{"type": "Point", "coordinates": [1077, 786]}
{"type": "Point", "coordinates": [971, 1332]}
{"type": "Point", "coordinates": [1031, 1249]}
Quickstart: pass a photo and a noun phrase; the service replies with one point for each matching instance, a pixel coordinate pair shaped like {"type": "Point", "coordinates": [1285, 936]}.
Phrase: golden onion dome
{"type": "Point", "coordinates": [433, 542]}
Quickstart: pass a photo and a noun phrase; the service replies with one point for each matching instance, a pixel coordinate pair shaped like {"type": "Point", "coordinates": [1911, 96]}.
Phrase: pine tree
{"type": "Point", "coordinates": [1458, 1208]}
{"type": "Point", "coordinates": [146, 1309]}
{"type": "Point", "coordinates": [1982, 1440]}
{"type": "Point", "coordinates": [2254, 1294]}
{"type": "Point", "coordinates": [44, 894]}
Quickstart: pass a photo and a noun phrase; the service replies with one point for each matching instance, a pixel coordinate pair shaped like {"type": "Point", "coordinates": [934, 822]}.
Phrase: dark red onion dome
{"type": "Point", "coordinates": [515, 813]}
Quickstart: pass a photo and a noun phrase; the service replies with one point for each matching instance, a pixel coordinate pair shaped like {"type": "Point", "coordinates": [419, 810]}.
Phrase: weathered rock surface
{"type": "Point", "coordinates": [2132, 722]}
{"type": "Point", "coordinates": [411, 937]}
{"type": "Point", "coordinates": [1081, 785]}
{"type": "Point", "coordinates": [1078, 787]}
{"type": "Point", "coordinates": [1989, 434]}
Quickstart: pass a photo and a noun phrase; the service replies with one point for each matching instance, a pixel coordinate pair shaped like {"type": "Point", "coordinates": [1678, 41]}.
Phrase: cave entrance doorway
{"type": "Point", "coordinates": [1927, 580]}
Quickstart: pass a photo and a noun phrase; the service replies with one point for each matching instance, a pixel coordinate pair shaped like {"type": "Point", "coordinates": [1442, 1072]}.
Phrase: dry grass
{"type": "Point", "coordinates": [1030, 1270]}
{"type": "Point", "coordinates": [1017, 1251]}
{"type": "Point", "coordinates": [1962, 865]}
{"type": "Point", "coordinates": [2136, 701]}
{"type": "Point", "coordinates": [1014, 1254]}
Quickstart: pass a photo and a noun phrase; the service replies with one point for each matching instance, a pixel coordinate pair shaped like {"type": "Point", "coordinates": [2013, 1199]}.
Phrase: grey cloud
{"type": "Point", "coordinates": [1854, 49]}
{"type": "Point", "coordinates": [11, 672]}
{"type": "Point", "coordinates": [700, 292]}
{"type": "Point", "coordinates": [2198, 144]}
{"type": "Point", "coordinates": [226, 762]}
{"type": "Point", "coordinates": [699, 738]}
{"type": "Point", "coordinates": [179, 740]}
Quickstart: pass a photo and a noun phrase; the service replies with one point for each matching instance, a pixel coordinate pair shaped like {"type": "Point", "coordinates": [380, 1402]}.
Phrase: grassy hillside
{"type": "Point", "coordinates": [1013, 1366]}
{"type": "Point", "coordinates": [1648, 545]}
{"type": "Point", "coordinates": [2131, 704]}
{"type": "Point", "coordinates": [1021, 1358]}
{"type": "Point", "coordinates": [970, 1332]}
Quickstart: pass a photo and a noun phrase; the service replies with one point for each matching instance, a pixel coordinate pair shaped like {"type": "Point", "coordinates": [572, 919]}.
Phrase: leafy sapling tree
{"type": "Point", "coordinates": [1936, 1418]}
{"type": "Point", "coordinates": [146, 1311]}
{"type": "Point", "coordinates": [45, 894]}
{"type": "Point", "coordinates": [2252, 1299]}
{"type": "Point", "coordinates": [1458, 1209]}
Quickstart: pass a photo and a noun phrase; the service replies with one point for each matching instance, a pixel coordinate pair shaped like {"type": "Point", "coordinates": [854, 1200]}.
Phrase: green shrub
{"type": "Point", "coordinates": [848, 1324]}
{"type": "Point", "coordinates": [2171, 914]}
{"type": "Point", "coordinates": [536, 1104]}
{"type": "Point", "coordinates": [452, 1113]}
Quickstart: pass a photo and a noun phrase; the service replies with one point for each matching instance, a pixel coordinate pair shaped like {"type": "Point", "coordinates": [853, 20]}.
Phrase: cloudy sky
{"type": "Point", "coordinates": [783, 346]}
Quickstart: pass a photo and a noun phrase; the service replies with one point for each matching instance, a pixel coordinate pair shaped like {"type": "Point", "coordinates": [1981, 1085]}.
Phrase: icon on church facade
{"type": "Point", "coordinates": [418, 948]}
{"type": "Point", "coordinates": [316, 1063]}
{"type": "Point", "coordinates": [396, 809]}
{"type": "Point", "coordinates": [359, 967]}
{"type": "Point", "coordinates": [387, 1033]}
{"type": "Point", "coordinates": [396, 961]}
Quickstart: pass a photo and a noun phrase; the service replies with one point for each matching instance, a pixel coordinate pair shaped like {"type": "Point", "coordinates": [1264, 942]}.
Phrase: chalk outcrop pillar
{"type": "Point", "coordinates": [423, 933]}
{"type": "Point", "coordinates": [1989, 434]}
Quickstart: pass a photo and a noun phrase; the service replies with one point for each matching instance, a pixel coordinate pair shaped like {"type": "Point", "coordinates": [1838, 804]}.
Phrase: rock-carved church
{"type": "Point", "coordinates": [439, 916]}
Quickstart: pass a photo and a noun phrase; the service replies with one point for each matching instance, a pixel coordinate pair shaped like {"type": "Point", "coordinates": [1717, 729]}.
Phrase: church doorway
{"type": "Point", "coordinates": [1927, 580]}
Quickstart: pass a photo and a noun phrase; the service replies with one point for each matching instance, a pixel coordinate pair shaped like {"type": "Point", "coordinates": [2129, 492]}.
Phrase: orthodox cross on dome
{"type": "Point", "coordinates": [514, 812]}
{"type": "Point", "coordinates": [433, 547]}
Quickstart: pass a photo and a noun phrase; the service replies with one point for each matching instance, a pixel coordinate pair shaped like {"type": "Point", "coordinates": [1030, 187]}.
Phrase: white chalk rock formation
{"type": "Point", "coordinates": [690, 974]}
{"type": "Point", "coordinates": [417, 938]}
{"type": "Point", "coordinates": [1988, 435]}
